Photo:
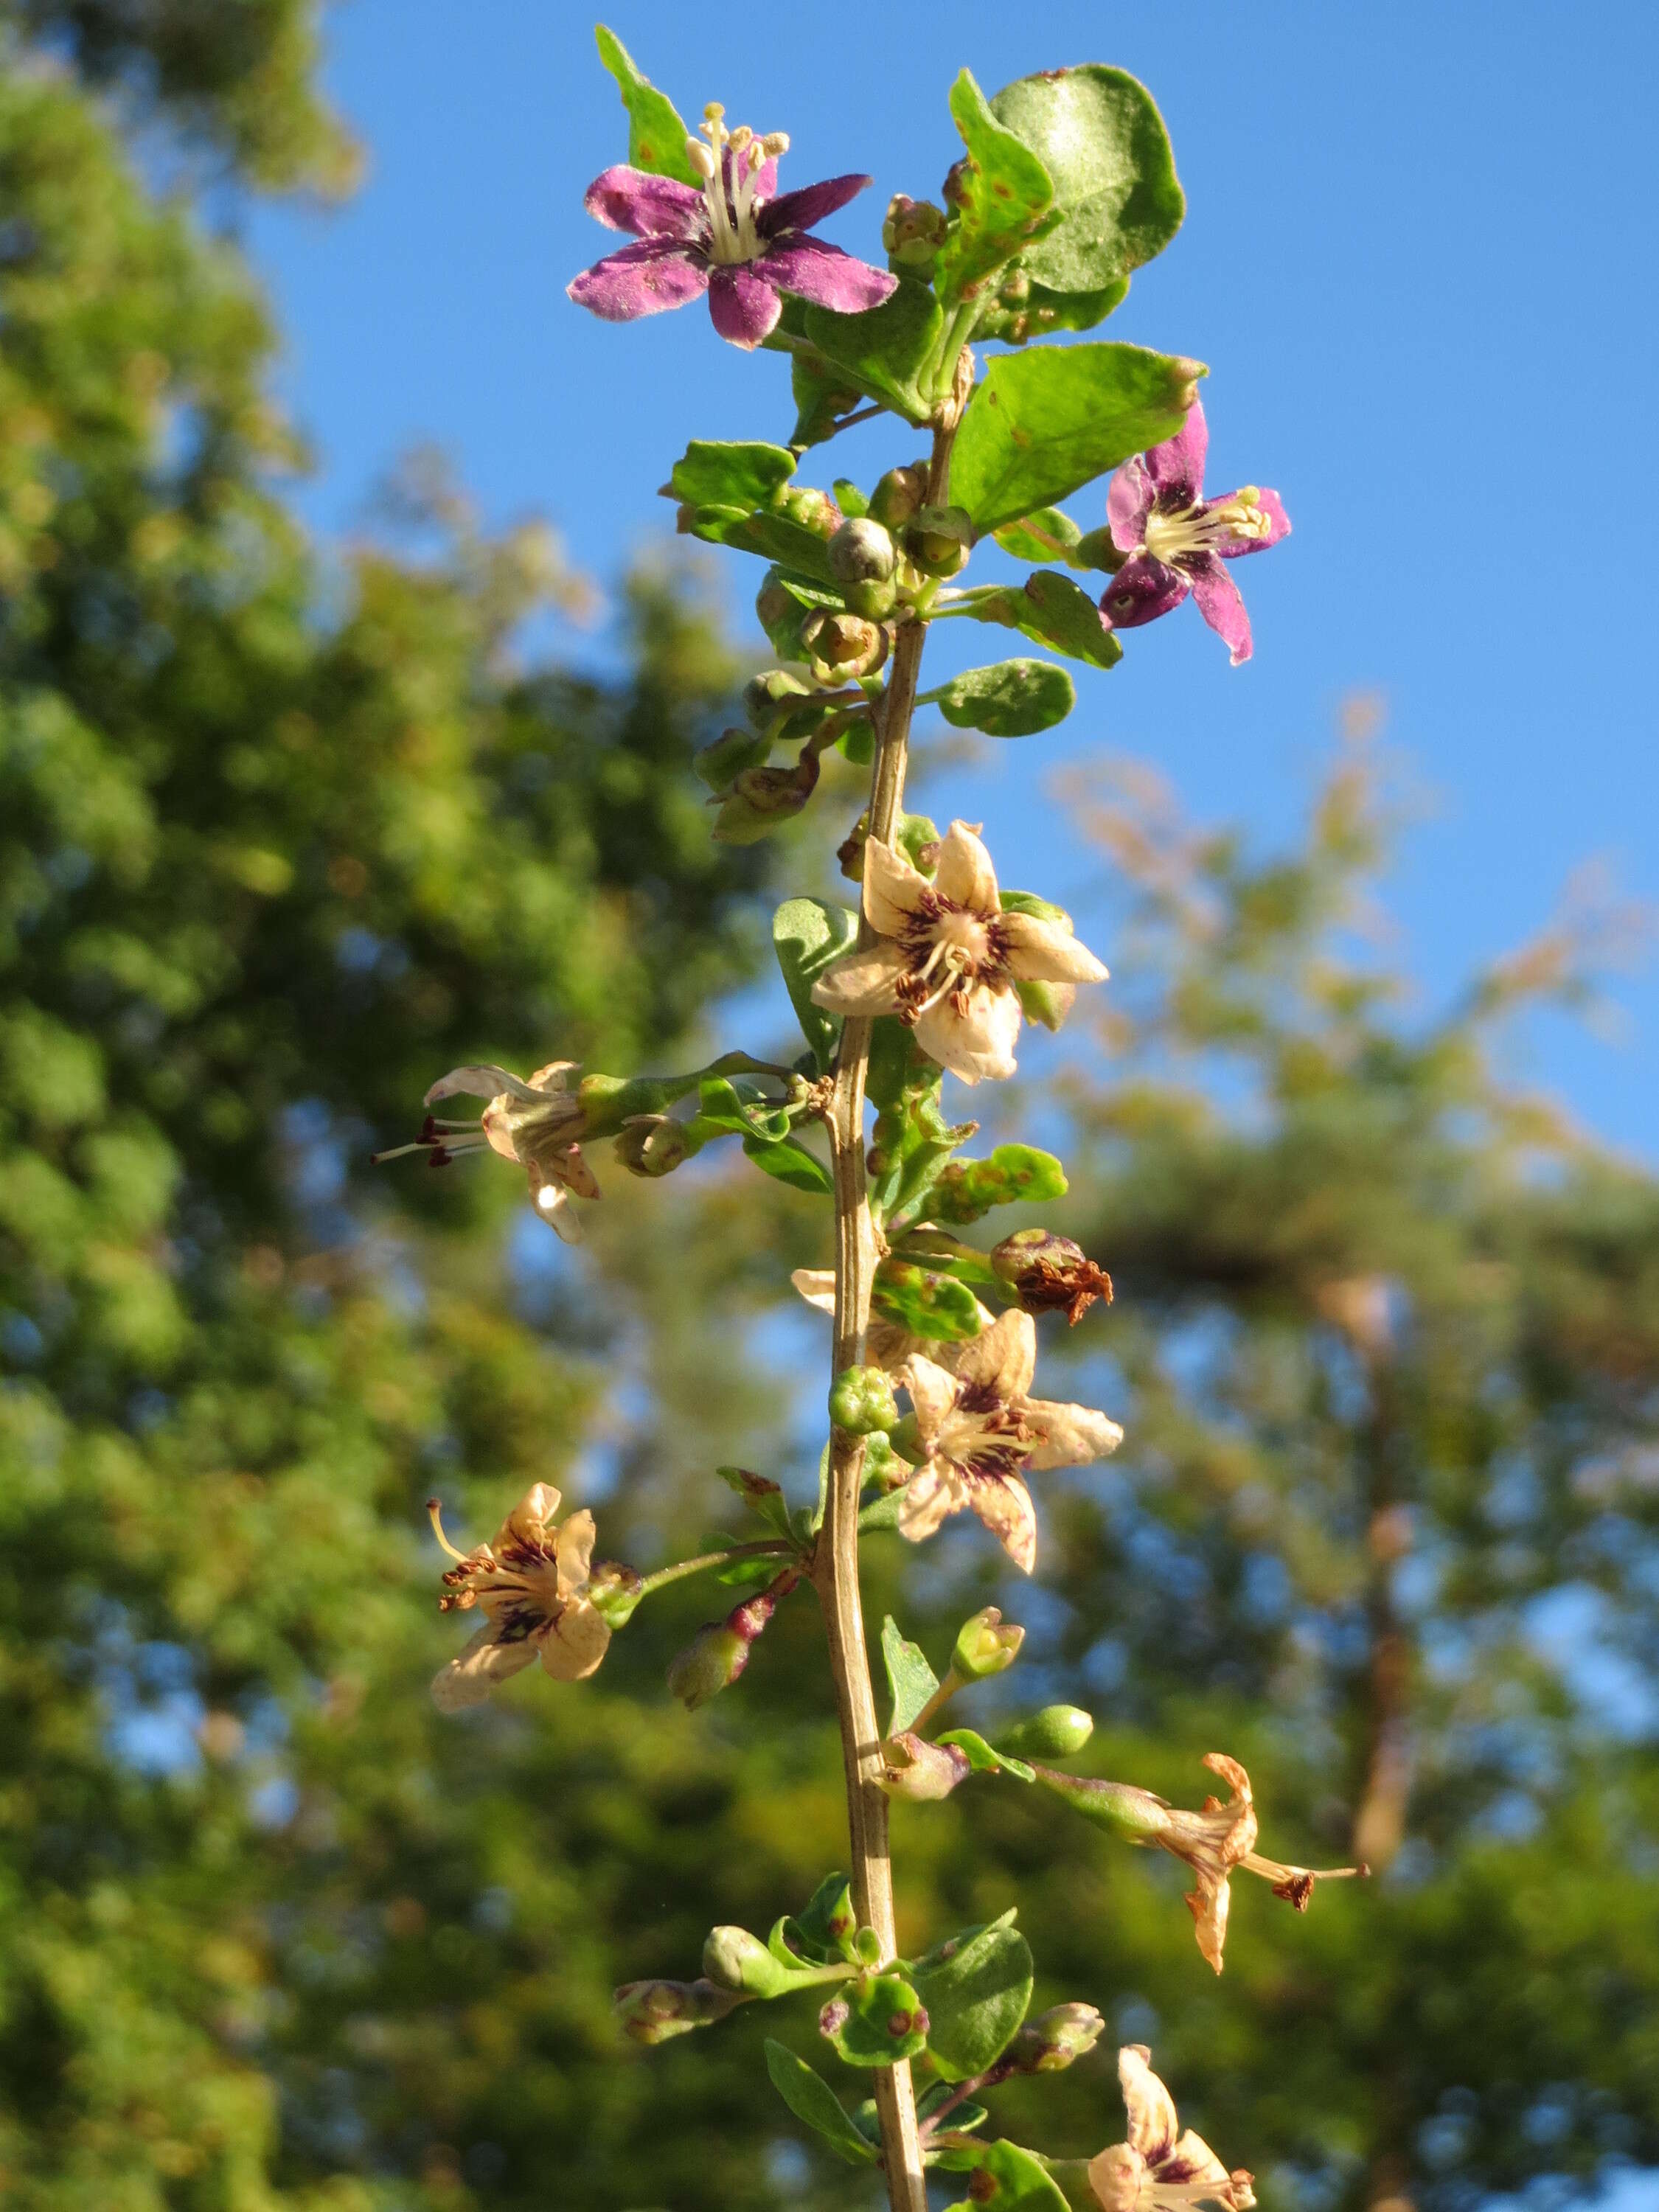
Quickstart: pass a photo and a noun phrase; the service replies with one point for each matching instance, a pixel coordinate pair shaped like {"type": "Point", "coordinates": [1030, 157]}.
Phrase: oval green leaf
{"type": "Point", "coordinates": [1099, 135]}
{"type": "Point", "coordinates": [976, 2000]}
{"type": "Point", "coordinates": [811, 2098]}
{"type": "Point", "coordinates": [656, 133]}
{"type": "Point", "coordinates": [1010, 699]}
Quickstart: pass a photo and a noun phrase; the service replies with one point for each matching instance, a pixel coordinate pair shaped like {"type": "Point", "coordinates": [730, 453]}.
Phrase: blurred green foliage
{"type": "Point", "coordinates": [276, 847]}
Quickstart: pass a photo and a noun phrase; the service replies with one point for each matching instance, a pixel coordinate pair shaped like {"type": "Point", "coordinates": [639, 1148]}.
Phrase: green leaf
{"type": "Point", "coordinates": [1041, 425]}
{"type": "Point", "coordinates": [926, 1302]}
{"type": "Point", "coordinates": [1054, 611]}
{"type": "Point", "coordinates": [852, 501]}
{"type": "Point", "coordinates": [976, 2000]}
{"type": "Point", "coordinates": [823, 393]}
{"type": "Point", "coordinates": [1011, 699]}
{"type": "Point", "coordinates": [909, 1677]}
{"type": "Point", "coordinates": [785, 1161]}
{"type": "Point", "coordinates": [716, 472]}
{"type": "Point", "coordinates": [982, 1759]}
{"type": "Point", "coordinates": [806, 936]}
{"type": "Point", "coordinates": [885, 350]}
{"type": "Point", "coordinates": [1022, 310]}
{"type": "Point", "coordinates": [1000, 195]}
{"type": "Point", "coordinates": [810, 2098]}
{"type": "Point", "coordinates": [1014, 1174]}
{"type": "Point", "coordinates": [760, 1494]}
{"type": "Point", "coordinates": [656, 133]}
{"type": "Point", "coordinates": [1018, 538]}
{"type": "Point", "coordinates": [875, 2023]}
{"type": "Point", "coordinates": [1009, 2179]}
{"type": "Point", "coordinates": [1103, 142]}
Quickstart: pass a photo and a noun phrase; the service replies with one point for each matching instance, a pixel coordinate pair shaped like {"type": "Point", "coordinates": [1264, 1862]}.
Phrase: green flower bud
{"type": "Point", "coordinates": [1054, 1733]}
{"type": "Point", "coordinates": [1098, 548]}
{"type": "Point", "coordinates": [899, 495]}
{"type": "Point", "coordinates": [735, 1960]}
{"type": "Point", "coordinates": [1050, 1274]}
{"type": "Point", "coordinates": [1055, 2039]}
{"type": "Point", "coordinates": [780, 615]}
{"type": "Point", "coordinates": [761, 800]}
{"type": "Point", "coordinates": [813, 510]}
{"type": "Point", "coordinates": [873, 601]}
{"type": "Point", "coordinates": [719, 1652]}
{"type": "Point", "coordinates": [841, 648]}
{"type": "Point", "coordinates": [862, 552]}
{"type": "Point", "coordinates": [721, 764]}
{"type": "Point", "coordinates": [654, 1144]}
{"type": "Point", "coordinates": [986, 1645]}
{"type": "Point", "coordinates": [912, 1767]}
{"type": "Point", "coordinates": [913, 231]}
{"type": "Point", "coordinates": [651, 2012]}
{"type": "Point", "coordinates": [861, 1401]}
{"type": "Point", "coordinates": [938, 539]}
{"type": "Point", "coordinates": [769, 698]}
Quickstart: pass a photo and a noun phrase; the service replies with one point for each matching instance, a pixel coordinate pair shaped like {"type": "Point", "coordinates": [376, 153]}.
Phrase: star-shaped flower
{"type": "Point", "coordinates": [533, 1584]}
{"type": "Point", "coordinates": [733, 240]}
{"type": "Point", "coordinates": [1178, 540]}
{"type": "Point", "coordinates": [538, 1124]}
{"type": "Point", "coordinates": [1160, 2168]}
{"type": "Point", "coordinates": [980, 1431]}
{"type": "Point", "coordinates": [948, 959]}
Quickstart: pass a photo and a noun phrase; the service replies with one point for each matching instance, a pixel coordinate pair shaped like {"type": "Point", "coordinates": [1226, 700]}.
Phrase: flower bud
{"type": "Point", "coordinates": [913, 231]}
{"type": "Point", "coordinates": [861, 1401]}
{"type": "Point", "coordinates": [735, 1960]}
{"type": "Point", "coordinates": [1098, 548]}
{"type": "Point", "coordinates": [771, 698]}
{"type": "Point", "coordinates": [761, 800]}
{"type": "Point", "coordinates": [651, 2012]}
{"type": "Point", "coordinates": [719, 1652]}
{"type": "Point", "coordinates": [913, 1767]}
{"type": "Point", "coordinates": [985, 1645]}
{"type": "Point", "coordinates": [841, 648]}
{"type": "Point", "coordinates": [1055, 2039]}
{"type": "Point", "coordinates": [937, 540]}
{"type": "Point", "coordinates": [1050, 1274]}
{"type": "Point", "coordinates": [813, 510]}
{"type": "Point", "coordinates": [653, 1145]}
{"type": "Point", "coordinates": [899, 495]}
{"type": "Point", "coordinates": [1054, 1733]}
{"type": "Point", "coordinates": [719, 765]}
{"type": "Point", "coordinates": [780, 615]}
{"type": "Point", "coordinates": [861, 552]}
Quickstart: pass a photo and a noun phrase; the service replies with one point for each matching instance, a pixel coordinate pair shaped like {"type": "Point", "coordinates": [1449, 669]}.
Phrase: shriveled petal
{"type": "Point", "coordinates": [933, 1393]}
{"type": "Point", "coordinates": [1222, 606]}
{"type": "Point", "coordinates": [552, 1202]}
{"type": "Point", "coordinates": [1004, 1504]}
{"type": "Point", "coordinates": [1152, 2123]}
{"type": "Point", "coordinates": [470, 1676]}
{"type": "Point", "coordinates": [1116, 2176]}
{"type": "Point", "coordinates": [1208, 1905]}
{"type": "Point", "coordinates": [527, 1523]}
{"type": "Point", "coordinates": [1278, 527]}
{"type": "Point", "coordinates": [641, 280]}
{"type": "Point", "coordinates": [965, 875]}
{"type": "Point", "coordinates": [573, 1645]}
{"type": "Point", "coordinates": [1190, 2160]}
{"type": "Point", "coordinates": [484, 1081]}
{"type": "Point", "coordinates": [573, 1172]}
{"type": "Point", "coordinates": [745, 307]}
{"type": "Point", "coordinates": [817, 1286]}
{"type": "Point", "coordinates": [574, 1543]}
{"type": "Point", "coordinates": [808, 205]}
{"type": "Point", "coordinates": [1177, 466]}
{"type": "Point", "coordinates": [929, 1500]}
{"type": "Point", "coordinates": [1129, 499]}
{"type": "Point", "coordinates": [1070, 1436]}
{"type": "Point", "coordinates": [814, 269]}
{"type": "Point", "coordinates": [1003, 1357]}
{"type": "Point", "coordinates": [979, 1043]}
{"type": "Point", "coordinates": [1142, 590]}
{"type": "Point", "coordinates": [551, 1079]}
{"type": "Point", "coordinates": [650, 206]}
{"type": "Point", "coordinates": [1043, 952]}
{"type": "Point", "coordinates": [863, 983]}
{"type": "Point", "coordinates": [893, 889]}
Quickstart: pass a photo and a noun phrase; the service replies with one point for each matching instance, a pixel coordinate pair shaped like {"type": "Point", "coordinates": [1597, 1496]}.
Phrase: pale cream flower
{"type": "Point", "coordinates": [538, 1124]}
{"type": "Point", "coordinates": [980, 1431]}
{"type": "Point", "coordinates": [1159, 2168]}
{"type": "Point", "coordinates": [533, 1584]}
{"type": "Point", "coordinates": [948, 959]}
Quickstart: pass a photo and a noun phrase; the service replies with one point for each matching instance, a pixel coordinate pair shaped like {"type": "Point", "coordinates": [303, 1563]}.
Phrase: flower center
{"type": "Point", "coordinates": [730, 162]}
{"type": "Point", "coordinates": [1175, 535]}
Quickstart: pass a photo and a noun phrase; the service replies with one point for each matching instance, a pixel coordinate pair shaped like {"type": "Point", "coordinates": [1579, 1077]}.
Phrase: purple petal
{"type": "Point", "coordinates": [1129, 499]}
{"type": "Point", "coordinates": [1177, 466]}
{"type": "Point", "coordinates": [1279, 527]}
{"type": "Point", "coordinates": [813, 270]}
{"type": "Point", "coordinates": [806, 208]}
{"type": "Point", "coordinates": [1142, 590]}
{"type": "Point", "coordinates": [651, 207]}
{"type": "Point", "coordinates": [641, 280]}
{"type": "Point", "coordinates": [1222, 606]}
{"type": "Point", "coordinates": [745, 307]}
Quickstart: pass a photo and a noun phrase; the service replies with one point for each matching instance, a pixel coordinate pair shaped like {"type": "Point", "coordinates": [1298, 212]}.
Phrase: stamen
{"type": "Point", "coordinates": [1295, 1884]}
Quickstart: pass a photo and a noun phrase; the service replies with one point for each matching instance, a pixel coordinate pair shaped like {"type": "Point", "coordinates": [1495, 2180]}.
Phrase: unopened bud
{"type": "Point", "coordinates": [1055, 2039]}
{"type": "Point", "coordinates": [1098, 548]}
{"type": "Point", "coordinates": [985, 1645]}
{"type": "Point", "coordinates": [914, 231]}
{"type": "Point", "coordinates": [780, 615]}
{"type": "Point", "coordinates": [719, 765]}
{"type": "Point", "coordinates": [861, 552]}
{"type": "Point", "coordinates": [1054, 1733]}
{"type": "Point", "coordinates": [762, 799]}
{"type": "Point", "coordinates": [899, 495]}
{"type": "Point", "coordinates": [614, 1589]}
{"type": "Point", "coordinates": [861, 1401]}
{"type": "Point", "coordinates": [1050, 1274]}
{"type": "Point", "coordinates": [652, 2012]}
{"type": "Point", "coordinates": [653, 1145]}
{"type": "Point", "coordinates": [719, 1652]}
{"type": "Point", "coordinates": [938, 539]}
{"type": "Point", "coordinates": [813, 510]}
{"type": "Point", "coordinates": [841, 648]}
{"type": "Point", "coordinates": [913, 1767]}
{"type": "Point", "coordinates": [735, 1960]}
{"type": "Point", "coordinates": [771, 698]}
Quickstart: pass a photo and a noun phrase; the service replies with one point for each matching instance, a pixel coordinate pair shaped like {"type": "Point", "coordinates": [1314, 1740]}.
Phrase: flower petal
{"type": "Point", "coordinates": [1142, 590]}
{"type": "Point", "coordinates": [1004, 1504]}
{"type": "Point", "coordinates": [575, 1545]}
{"type": "Point", "coordinates": [470, 1677]}
{"type": "Point", "coordinates": [1002, 1358]}
{"type": "Point", "coordinates": [929, 1500]}
{"type": "Point", "coordinates": [1129, 499]}
{"type": "Point", "coordinates": [808, 205]}
{"type": "Point", "coordinates": [1278, 527]}
{"type": "Point", "coordinates": [650, 206]}
{"type": "Point", "coordinates": [1044, 952]}
{"type": "Point", "coordinates": [1208, 1905]}
{"type": "Point", "coordinates": [979, 1043]}
{"type": "Point", "coordinates": [1152, 2123]}
{"type": "Point", "coordinates": [1191, 2161]}
{"type": "Point", "coordinates": [817, 1286]}
{"type": "Point", "coordinates": [1115, 2177]}
{"type": "Point", "coordinates": [1070, 1436]}
{"type": "Point", "coordinates": [526, 1524]}
{"type": "Point", "coordinates": [552, 1202]}
{"type": "Point", "coordinates": [745, 307]}
{"type": "Point", "coordinates": [573, 1644]}
{"type": "Point", "coordinates": [551, 1078]}
{"type": "Point", "coordinates": [965, 874]}
{"type": "Point", "coordinates": [1177, 466]}
{"type": "Point", "coordinates": [641, 280]}
{"type": "Point", "coordinates": [814, 269]}
{"type": "Point", "coordinates": [1222, 606]}
{"type": "Point", "coordinates": [484, 1081]}
{"type": "Point", "coordinates": [863, 983]}
{"type": "Point", "coordinates": [933, 1393]}
{"type": "Point", "coordinates": [893, 889]}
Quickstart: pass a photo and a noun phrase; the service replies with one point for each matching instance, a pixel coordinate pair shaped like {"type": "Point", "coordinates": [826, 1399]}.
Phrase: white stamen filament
{"type": "Point", "coordinates": [1173, 535]}
{"type": "Point", "coordinates": [732, 236]}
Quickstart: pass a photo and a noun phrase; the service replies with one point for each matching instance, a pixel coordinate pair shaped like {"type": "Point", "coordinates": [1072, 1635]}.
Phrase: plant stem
{"type": "Point", "coordinates": [772, 1548]}
{"type": "Point", "coordinates": [835, 1567]}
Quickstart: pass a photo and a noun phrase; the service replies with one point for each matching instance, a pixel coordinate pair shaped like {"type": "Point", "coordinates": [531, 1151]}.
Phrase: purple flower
{"type": "Point", "coordinates": [1177, 540]}
{"type": "Point", "coordinates": [733, 240]}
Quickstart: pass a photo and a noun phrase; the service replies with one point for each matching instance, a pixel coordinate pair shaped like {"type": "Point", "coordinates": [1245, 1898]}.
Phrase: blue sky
{"type": "Point", "coordinates": [1418, 260]}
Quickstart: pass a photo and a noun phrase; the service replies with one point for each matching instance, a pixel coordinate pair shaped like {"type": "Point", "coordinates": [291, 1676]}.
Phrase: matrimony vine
{"type": "Point", "coordinates": [1066, 185]}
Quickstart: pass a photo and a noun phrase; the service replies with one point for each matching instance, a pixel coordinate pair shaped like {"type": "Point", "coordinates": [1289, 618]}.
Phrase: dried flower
{"type": "Point", "coordinates": [949, 959]}
{"type": "Point", "coordinates": [536, 1124]}
{"type": "Point", "coordinates": [533, 1584]}
{"type": "Point", "coordinates": [1159, 2169]}
{"type": "Point", "coordinates": [1050, 1274]}
{"type": "Point", "coordinates": [1178, 540]}
{"type": "Point", "coordinates": [733, 240]}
